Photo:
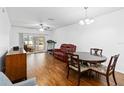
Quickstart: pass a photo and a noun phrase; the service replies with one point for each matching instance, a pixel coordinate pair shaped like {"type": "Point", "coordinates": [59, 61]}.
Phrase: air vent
{"type": "Point", "coordinates": [51, 19]}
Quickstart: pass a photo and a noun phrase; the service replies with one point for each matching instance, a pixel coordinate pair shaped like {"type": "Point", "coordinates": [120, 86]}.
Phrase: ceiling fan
{"type": "Point", "coordinates": [41, 26]}
{"type": "Point", "coordinates": [45, 27]}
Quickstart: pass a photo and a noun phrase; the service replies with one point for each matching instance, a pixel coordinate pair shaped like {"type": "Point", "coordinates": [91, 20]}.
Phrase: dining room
{"type": "Point", "coordinates": [98, 27]}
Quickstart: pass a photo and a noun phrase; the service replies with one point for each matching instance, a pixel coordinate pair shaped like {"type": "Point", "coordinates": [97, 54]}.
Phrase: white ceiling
{"type": "Point", "coordinates": [32, 16]}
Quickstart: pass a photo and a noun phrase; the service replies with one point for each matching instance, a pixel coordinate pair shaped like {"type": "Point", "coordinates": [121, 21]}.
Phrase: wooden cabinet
{"type": "Point", "coordinates": [15, 65]}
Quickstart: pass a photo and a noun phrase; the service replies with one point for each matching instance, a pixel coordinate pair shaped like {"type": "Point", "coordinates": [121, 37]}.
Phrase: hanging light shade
{"type": "Point", "coordinates": [41, 29]}
{"type": "Point", "coordinates": [81, 22]}
{"type": "Point", "coordinates": [86, 20]}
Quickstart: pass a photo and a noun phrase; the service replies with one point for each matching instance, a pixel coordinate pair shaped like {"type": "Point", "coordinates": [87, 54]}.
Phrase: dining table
{"type": "Point", "coordinates": [91, 58]}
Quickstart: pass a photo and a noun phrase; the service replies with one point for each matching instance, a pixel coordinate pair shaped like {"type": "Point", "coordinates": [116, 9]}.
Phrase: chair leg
{"type": "Point", "coordinates": [78, 79]}
{"type": "Point", "coordinates": [114, 78]}
{"type": "Point", "coordinates": [98, 75]}
{"type": "Point", "coordinates": [107, 79]}
{"type": "Point", "coordinates": [67, 66]}
{"type": "Point", "coordinates": [68, 73]}
{"type": "Point", "coordinates": [89, 73]}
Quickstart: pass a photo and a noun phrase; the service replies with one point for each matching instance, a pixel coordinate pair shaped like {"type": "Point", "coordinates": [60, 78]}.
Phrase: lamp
{"type": "Point", "coordinates": [86, 20]}
{"type": "Point", "coordinates": [25, 42]}
{"type": "Point", "coordinates": [30, 42]}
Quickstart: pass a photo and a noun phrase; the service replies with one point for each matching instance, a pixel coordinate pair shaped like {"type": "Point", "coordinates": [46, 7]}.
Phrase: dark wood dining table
{"type": "Point", "coordinates": [90, 58]}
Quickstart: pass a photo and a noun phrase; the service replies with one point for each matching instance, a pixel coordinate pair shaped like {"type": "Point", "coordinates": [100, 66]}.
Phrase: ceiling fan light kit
{"type": "Point", "coordinates": [41, 29]}
{"type": "Point", "coordinates": [45, 27]}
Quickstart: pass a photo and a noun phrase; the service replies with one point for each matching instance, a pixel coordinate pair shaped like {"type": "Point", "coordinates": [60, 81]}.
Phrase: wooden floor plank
{"type": "Point", "coordinates": [52, 72]}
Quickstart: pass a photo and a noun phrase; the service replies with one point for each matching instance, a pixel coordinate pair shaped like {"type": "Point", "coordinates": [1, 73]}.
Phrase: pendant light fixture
{"type": "Point", "coordinates": [86, 20]}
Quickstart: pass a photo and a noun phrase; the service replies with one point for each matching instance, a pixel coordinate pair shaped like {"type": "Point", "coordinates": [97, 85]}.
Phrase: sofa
{"type": "Point", "coordinates": [61, 53]}
{"type": "Point", "coordinates": [4, 81]}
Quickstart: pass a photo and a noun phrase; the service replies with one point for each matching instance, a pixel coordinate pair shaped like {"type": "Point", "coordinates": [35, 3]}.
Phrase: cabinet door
{"type": "Point", "coordinates": [9, 66]}
{"type": "Point", "coordinates": [21, 66]}
{"type": "Point", "coordinates": [15, 66]}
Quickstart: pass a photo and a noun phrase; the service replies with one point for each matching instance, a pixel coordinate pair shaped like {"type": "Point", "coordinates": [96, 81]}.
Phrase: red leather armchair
{"type": "Point", "coordinates": [61, 53]}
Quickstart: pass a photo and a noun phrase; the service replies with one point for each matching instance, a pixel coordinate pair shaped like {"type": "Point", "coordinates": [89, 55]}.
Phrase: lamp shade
{"type": "Point", "coordinates": [86, 21]}
{"type": "Point", "coordinates": [30, 42]}
{"type": "Point", "coordinates": [81, 22]}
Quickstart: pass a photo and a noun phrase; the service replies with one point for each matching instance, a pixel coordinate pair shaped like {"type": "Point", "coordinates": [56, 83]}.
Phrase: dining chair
{"type": "Point", "coordinates": [75, 64]}
{"type": "Point", "coordinates": [96, 51]}
{"type": "Point", "coordinates": [109, 70]}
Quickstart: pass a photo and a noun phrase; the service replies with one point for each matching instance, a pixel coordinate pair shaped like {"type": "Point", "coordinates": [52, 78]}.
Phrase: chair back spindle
{"type": "Point", "coordinates": [96, 51]}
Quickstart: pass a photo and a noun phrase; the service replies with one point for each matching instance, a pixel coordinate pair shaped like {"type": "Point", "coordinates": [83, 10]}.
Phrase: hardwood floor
{"type": "Point", "coordinates": [52, 72]}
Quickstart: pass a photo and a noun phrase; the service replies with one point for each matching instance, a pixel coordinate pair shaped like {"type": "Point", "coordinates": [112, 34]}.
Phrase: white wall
{"type": "Point", "coordinates": [107, 32]}
{"type": "Point", "coordinates": [4, 35]}
{"type": "Point", "coordinates": [14, 34]}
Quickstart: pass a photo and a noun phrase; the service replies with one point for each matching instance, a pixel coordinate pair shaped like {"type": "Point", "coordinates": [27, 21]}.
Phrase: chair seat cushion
{"type": "Point", "coordinates": [82, 68]}
{"type": "Point", "coordinates": [99, 68]}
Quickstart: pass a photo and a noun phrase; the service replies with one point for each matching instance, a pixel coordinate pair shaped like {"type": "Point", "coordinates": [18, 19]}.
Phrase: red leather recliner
{"type": "Point", "coordinates": [61, 53]}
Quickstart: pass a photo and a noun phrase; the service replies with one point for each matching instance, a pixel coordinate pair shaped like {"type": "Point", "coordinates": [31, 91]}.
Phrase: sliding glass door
{"type": "Point", "coordinates": [34, 42]}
